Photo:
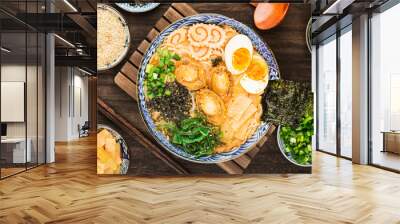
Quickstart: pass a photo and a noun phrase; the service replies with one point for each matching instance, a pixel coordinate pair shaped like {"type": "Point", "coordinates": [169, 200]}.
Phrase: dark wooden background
{"type": "Point", "coordinates": [288, 43]}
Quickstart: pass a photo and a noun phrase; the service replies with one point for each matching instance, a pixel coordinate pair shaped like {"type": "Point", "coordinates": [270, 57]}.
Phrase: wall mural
{"type": "Point", "coordinates": [203, 89]}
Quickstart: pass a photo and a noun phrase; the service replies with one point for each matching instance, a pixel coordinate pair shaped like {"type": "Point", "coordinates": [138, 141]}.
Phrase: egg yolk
{"type": "Point", "coordinates": [241, 59]}
{"type": "Point", "coordinates": [257, 70]}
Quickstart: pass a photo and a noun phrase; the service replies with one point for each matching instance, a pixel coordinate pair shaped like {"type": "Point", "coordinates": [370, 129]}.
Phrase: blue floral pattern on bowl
{"type": "Point", "coordinates": [137, 7]}
{"type": "Point", "coordinates": [217, 19]}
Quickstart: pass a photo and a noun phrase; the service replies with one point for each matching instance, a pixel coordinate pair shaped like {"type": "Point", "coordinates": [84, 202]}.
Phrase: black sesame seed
{"type": "Point", "coordinates": [174, 107]}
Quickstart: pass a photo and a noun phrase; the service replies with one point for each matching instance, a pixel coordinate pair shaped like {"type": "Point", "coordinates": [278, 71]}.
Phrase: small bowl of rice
{"type": "Point", "coordinates": [113, 37]}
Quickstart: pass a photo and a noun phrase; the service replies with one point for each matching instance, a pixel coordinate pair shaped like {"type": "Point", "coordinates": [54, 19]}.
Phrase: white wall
{"type": "Point", "coordinates": [61, 104]}
{"type": "Point", "coordinates": [80, 111]}
{"type": "Point", "coordinates": [13, 101]}
{"type": "Point", "coordinates": [33, 126]}
{"type": "Point", "coordinates": [16, 73]}
{"type": "Point", "coordinates": [71, 102]}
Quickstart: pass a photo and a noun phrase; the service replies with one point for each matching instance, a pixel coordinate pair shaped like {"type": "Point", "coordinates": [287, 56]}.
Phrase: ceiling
{"type": "Point", "coordinates": [329, 16]}
{"type": "Point", "coordinates": [19, 54]}
{"type": "Point", "coordinates": [39, 6]}
{"type": "Point", "coordinates": [74, 22]}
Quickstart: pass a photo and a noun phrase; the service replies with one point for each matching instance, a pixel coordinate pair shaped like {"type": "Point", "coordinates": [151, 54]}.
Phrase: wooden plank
{"type": "Point", "coordinates": [135, 133]}
{"type": "Point", "coordinates": [162, 24]}
{"type": "Point", "coordinates": [130, 71]}
{"type": "Point", "coordinates": [184, 9]}
{"type": "Point", "coordinates": [152, 34]}
{"type": "Point", "coordinates": [230, 167]}
{"type": "Point", "coordinates": [172, 15]}
{"type": "Point", "coordinates": [136, 59]}
{"type": "Point", "coordinates": [143, 46]}
{"type": "Point", "coordinates": [263, 140]}
{"type": "Point", "coordinates": [252, 153]}
{"type": "Point", "coordinates": [267, 136]}
{"type": "Point", "coordinates": [125, 84]}
{"type": "Point", "coordinates": [243, 161]}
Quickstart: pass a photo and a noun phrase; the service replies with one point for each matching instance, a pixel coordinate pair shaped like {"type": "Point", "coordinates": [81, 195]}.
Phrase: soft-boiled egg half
{"type": "Point", "coordinates": [238, 54]}
{"type": "Point", "coordinates": [255, 78]}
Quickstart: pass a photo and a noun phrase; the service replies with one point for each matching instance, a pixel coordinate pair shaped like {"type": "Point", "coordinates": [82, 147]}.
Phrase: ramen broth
{"type": "Point", "coordinates": [218, 77]}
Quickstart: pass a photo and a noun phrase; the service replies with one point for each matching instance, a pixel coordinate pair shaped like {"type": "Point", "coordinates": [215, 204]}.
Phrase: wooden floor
{"type": "Point", "coordinates": [387, 159]}
{"type": "Point", "coordinates": [70, 192]}
{"type": "Point", "coordinates": [10, 171]}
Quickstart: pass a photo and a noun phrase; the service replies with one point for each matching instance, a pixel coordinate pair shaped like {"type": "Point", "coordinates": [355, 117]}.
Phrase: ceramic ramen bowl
{"type": "Point", "coordinates": [260, 46]}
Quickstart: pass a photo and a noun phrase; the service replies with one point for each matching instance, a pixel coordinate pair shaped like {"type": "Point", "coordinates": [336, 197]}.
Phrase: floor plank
{"type": "Point", "coordinates": [69, 191]}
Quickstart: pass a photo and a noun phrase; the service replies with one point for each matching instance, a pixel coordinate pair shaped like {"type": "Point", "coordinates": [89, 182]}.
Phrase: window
{"type": "Point", "coordinates": [346, 93]}
{"type": "Point", "coordinates": [334, 110]}
{"type": "Point", "coordinates": [385, 88]}
{"type": "Point", "coordinates": [22, 101]}
{"type": "Point", "coordinates": [327, 96]}
{"type": "Point", "coordinates": [394, 102]}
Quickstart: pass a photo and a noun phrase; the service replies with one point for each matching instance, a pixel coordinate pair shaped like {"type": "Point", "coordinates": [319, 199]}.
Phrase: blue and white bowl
{"type": "Point", "coordinates": [137, 7]}
{"type": "Point", "coordinates": [217, 19]}
{"type": "Point", "coordinates": [125, 158]}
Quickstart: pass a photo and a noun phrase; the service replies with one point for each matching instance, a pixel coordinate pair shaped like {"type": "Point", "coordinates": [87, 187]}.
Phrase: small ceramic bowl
{"type": "Point", "coordinates": [308, 35]}
{"type": "Point", "coordinates": [261, 47]}
{"type": "Point", "coordinates": [287, 155]}
{"type": "Point", "coordinates": [272, 13]}
{"type": "Point", "coordinates": [124, 147]}
{"type": "Point", "coordinates": [127, 38]}
{"type": "Point", "coordinates": [137, 7]}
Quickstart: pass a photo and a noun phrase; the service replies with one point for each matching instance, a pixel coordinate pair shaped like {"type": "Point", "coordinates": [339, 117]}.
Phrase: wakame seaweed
{"type": "Point", "coordinates": [195, 136]}
{"type": "Point", "coordinates": [286, 102]}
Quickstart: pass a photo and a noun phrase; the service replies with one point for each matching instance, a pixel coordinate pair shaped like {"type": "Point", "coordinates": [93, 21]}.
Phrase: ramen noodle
{"type": "Point", "coordinates": [227, 94]}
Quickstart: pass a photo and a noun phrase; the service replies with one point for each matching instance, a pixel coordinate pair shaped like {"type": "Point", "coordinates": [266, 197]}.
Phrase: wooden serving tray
{"type": "Point", "coordinates": [127, 77]}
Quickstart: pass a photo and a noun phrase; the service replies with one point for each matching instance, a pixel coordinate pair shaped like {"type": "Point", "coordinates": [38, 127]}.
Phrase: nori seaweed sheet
{"type": "Point", "coordinates": [285, 102]}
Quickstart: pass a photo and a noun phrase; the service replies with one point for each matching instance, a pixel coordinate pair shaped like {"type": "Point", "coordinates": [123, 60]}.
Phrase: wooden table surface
{"type": "Point", "coordinates": [288, 43]}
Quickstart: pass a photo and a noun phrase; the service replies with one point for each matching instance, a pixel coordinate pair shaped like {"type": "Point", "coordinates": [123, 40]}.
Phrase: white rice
{"type": "Point", "coordinates": [112, 37]}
